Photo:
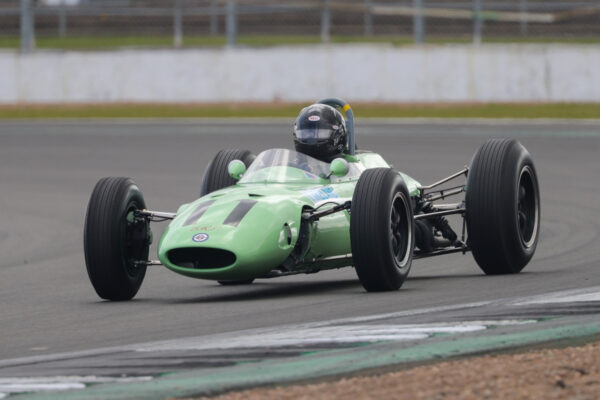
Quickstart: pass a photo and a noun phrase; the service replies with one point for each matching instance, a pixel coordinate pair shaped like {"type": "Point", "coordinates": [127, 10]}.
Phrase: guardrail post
{"type": "Point", "coordinates": [523, 10]}
{"type": "Point", "coordinates": [368, 18]}
{"type": "Point", "coordinates": [62, 20]}
{"type": "Point", "coordinates": [418, 22]}
{"type": "Point", "coordinates": [477, 21]}
{"type": "Point", "coordinates": [27, 26]}
{"type": "Point", "coordinates": [231, 23]}
{"type": "Point", "coordinates": [214, 18]}
{"type": "Point", "coordinates": [177, 24]}
{"type": "Point", "coordinates": [325, 21]}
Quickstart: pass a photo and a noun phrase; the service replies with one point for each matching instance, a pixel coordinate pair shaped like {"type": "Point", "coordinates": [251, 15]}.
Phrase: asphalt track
{"type": "Point", "coordinates": [48, 169]}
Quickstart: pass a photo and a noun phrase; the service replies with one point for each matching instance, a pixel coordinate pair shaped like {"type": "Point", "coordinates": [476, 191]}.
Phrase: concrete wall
{"type": "Point", "coordinates": [354, 72]}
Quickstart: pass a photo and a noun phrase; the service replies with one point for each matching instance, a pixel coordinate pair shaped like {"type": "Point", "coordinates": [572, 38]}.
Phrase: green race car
{"type": "Point", "coordinates": [285, 212]}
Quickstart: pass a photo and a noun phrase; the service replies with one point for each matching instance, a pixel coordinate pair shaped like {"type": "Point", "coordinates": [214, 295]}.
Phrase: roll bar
{"type": "Point", "coordinates": [335, 102]}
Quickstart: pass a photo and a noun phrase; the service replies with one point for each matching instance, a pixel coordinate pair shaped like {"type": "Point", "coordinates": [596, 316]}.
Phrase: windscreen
{"type": "Point", "coordinates": [282, 165]}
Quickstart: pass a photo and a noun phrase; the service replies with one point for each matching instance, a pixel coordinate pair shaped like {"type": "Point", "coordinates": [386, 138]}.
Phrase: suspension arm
{"type": "Point", "coordinates": [419, 254]}
{"type": "Point", "coordinates": [316, 215]}
{"type": "Point", "coordinates": [154, 216]}
{"type": "Point", "coordinates": [463, 171]}
{"type": "Point", "coordinates": [461, 210]}
{"type": "Point", "coordinates": [442, 194]}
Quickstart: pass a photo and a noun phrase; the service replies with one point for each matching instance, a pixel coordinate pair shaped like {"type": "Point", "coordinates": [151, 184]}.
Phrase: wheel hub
{"type": "Point", "coordinates": [527, 208]}
{"type": "Point", "coordinates": [400, 230]}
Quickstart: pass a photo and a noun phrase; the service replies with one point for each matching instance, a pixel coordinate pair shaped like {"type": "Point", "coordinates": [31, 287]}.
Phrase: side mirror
{"type": "Point", "coordinates": [339, 167]}
{"type": "Point", "coordinates": [236, 169]}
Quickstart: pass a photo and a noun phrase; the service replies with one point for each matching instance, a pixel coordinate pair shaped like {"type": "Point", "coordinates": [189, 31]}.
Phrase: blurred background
{"type": "Point", "coordinates": [159, 23]}
{"type": "Point", "coordinates": [257, 50]}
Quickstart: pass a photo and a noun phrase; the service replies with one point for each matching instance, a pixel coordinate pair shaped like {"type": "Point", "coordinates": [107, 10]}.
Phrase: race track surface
{"type": "Point", "coordinates": [48, 170]}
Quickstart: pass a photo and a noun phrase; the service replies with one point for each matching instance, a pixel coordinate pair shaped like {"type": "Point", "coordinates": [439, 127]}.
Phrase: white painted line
{"type": "Point", "coordinates": [567, 297]}
{"type": "Point", "coordinates": [400, 314]}
{"type": "Point", "coordinates": [296, 327]}
{"type": "Point", "coordinates": [52, 383]}
{"type": "Point", "coordinates": [38, 387]}
{"type": "Point", "coordinates": [331, 334]}
{"type": "Point", "coordinates": [74, 379]}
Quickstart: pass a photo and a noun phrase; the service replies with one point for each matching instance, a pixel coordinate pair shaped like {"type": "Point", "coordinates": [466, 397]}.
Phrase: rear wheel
{"type": "Point", "coordinates": [381, 230]}
{"type": "Point", "coordinates": [116, 245]}
{"type": "Point", "coordinates": [216, 176]}
{"type": "Point", "coordinates": [503, 207]}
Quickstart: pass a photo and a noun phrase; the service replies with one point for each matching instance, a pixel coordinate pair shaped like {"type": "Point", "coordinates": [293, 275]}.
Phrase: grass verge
{"type": "Point", "coordinates": [102, 42]}
{"type": "Point", "coordinates": [290, 110]}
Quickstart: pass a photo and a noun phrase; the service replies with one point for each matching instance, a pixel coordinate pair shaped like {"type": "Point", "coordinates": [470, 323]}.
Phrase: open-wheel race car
{"type": "Point", "coordinates": [286, 212]}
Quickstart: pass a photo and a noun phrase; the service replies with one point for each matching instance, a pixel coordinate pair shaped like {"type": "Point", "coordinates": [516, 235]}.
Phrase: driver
{"type": "Point", "coordinates": [320, 132]}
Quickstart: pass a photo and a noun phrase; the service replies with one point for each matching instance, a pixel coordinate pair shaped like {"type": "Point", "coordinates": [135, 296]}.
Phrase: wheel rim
{"type": "Point", "coordinates": [400, 230]}
{"type": "Point", "coordinates": [132, 246]}
{"type": "Point", "coordinates": [527, 208]}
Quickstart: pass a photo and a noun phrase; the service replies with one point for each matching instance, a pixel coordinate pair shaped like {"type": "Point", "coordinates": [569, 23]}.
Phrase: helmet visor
{"type": "Point", "coordinates": [312, 133]}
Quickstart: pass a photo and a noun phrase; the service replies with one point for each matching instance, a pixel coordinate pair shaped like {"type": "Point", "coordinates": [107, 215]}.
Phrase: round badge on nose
{"type": "Point", "coordinates": [200, 237]}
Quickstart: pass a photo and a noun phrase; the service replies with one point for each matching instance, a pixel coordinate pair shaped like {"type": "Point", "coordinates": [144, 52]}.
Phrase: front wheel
{"type": "Point", "coordinates": [381, 230]}
{"type": "Point", "coordinates": [503, 207]}
{"type": "Point", "coordinates": [116, 244]}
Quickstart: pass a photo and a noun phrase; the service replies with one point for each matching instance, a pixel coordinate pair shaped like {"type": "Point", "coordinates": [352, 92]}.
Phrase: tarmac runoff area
{"type": "Point", "coordinates": [187, 338]}
{"type": "Point", "coordinates": [284, 354]}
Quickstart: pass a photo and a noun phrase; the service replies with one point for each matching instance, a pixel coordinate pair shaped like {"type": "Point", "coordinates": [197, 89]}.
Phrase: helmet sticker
{"type": "Point", "coordinates": [314, 118]}
{"type": "Point", "coordinates": [200, 237]}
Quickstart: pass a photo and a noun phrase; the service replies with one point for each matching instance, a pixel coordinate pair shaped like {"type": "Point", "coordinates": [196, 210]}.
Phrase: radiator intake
{"type": "Point", "coordinates": [201, 257]}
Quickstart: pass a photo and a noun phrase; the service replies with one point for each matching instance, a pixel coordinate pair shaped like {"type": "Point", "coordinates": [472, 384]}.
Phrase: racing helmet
{"type": "Point", "coordinates": [320, 132]}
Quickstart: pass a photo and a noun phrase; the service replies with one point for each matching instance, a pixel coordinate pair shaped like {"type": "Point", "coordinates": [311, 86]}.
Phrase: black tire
{"type": "Point", "coordinates": [216, 175]}
{"type": "Point", "coordinates": [381, 230]}
{"type": "Point", "coordinates": [112, 243]}
{"type": "Point", "coordinates": [503, 207]}
{"type": "Point", "coordinates": [233, 283]}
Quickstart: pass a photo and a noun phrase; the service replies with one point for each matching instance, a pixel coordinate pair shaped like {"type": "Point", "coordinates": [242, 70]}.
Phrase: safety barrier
{"type": "Point", "coordinates": [448, 73]}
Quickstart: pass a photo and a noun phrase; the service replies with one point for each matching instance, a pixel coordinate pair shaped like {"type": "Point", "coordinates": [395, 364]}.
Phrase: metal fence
{"type": "Point", "coordinates": [112, 23]}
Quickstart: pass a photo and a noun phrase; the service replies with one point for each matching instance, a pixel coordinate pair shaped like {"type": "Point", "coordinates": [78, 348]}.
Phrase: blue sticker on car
{"type": "Point", "coordinates": [200, 237]}
{"type": "Point", "coordinates": [316, 195]}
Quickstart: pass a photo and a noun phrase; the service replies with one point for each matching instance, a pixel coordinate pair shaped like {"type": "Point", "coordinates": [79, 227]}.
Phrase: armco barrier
{"type": "Point", "coordinates": [450, 73]}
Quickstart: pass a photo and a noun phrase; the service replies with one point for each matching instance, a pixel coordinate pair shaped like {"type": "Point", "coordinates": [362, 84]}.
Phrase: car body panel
{"type": "Point", "coordinates": [261, 223]}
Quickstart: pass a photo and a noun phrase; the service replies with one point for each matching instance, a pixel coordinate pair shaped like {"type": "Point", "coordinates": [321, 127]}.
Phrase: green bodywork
{"type": "Point", "coordinates": [271, 237]}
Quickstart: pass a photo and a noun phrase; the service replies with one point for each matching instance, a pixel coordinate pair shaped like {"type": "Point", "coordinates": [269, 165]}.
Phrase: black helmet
{"type": "Point", "coordinates": [320, 132]}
